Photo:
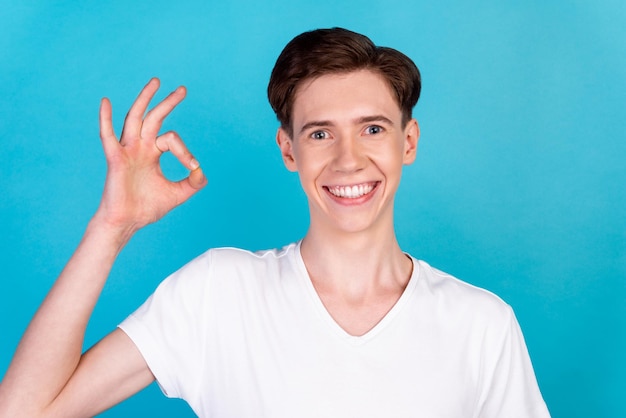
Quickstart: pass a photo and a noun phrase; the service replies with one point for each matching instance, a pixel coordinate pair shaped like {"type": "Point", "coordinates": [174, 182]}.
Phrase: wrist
{"type": "Point", "coordinates": [108, 231]}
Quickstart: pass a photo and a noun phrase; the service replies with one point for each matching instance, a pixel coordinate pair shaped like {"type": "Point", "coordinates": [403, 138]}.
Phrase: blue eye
{"type": "Point", "coordinates": [319, 135]}
{"type": "Point", "coordinates": [373, 130]}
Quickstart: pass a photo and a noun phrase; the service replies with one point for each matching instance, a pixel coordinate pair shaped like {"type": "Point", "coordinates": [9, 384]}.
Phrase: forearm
{"type": "Point", "coordinates": [135, 194]}
{"type": "Point", "coordinates": [52, 344]}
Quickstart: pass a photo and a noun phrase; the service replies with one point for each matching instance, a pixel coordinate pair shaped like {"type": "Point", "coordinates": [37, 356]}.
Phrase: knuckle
{"type": "Point", "coordinates": [171, 136]}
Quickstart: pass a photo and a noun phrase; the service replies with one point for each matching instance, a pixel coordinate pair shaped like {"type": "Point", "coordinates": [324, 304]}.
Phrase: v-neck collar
{"type": "Point", "coordinates": [334, 327]}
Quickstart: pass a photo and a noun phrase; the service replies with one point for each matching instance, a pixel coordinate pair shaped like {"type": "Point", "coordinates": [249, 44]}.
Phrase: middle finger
{"type": "Point", "coordinates": [154, 119]}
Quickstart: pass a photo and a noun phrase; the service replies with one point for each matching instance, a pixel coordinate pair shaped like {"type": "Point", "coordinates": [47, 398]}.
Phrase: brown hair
{"type": "Point", "coordinates": [330, 51]}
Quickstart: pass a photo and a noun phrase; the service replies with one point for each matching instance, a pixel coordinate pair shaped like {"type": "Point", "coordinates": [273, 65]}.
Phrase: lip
{"type": "Point", "coordinates": [352, 194]}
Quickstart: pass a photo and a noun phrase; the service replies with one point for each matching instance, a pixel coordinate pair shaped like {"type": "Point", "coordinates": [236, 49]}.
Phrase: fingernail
{"type": "Point", "coordinates": [194, 164]}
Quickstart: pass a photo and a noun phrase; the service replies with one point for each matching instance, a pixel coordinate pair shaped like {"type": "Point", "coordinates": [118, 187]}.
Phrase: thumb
{"type": "Point", "coordinates": [196, 179]}
{"type": "Point", "coordinates": [190, 185]}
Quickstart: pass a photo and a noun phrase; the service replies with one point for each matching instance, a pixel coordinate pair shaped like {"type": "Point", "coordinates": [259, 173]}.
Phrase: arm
{"type": "Point", "coordinates": [48, 376]}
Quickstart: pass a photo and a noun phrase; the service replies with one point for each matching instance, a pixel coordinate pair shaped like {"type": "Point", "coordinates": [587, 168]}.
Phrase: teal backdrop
{"type": "Point", "coordinates": [519, 184]}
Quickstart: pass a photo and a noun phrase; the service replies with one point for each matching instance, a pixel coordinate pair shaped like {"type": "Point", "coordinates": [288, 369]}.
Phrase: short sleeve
{"type": "Point", "coordinates": [511, 389]}
{"type": "Point", "coordinates": [166, 328]}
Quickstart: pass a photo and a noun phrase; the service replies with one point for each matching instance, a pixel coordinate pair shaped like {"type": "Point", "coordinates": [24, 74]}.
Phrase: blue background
{"type": "Point", "coordinates": [518, 185]}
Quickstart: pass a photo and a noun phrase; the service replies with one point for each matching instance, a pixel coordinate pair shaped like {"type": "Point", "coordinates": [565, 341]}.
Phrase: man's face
{"type": "Point", "coordinates": [348, 147]}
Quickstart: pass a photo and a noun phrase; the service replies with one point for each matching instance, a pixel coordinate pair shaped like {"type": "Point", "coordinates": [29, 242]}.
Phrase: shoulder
{"type": "Point", "coordinates": [238, 254]}
{"type": "Point", "coordinates": [237, 259]}
{"type": "Point", "coordinates": [232, 263]}
{"type": "Point", "coordinates": [460, 298]}
{"type": "Point", "coordinates": [222, 271]}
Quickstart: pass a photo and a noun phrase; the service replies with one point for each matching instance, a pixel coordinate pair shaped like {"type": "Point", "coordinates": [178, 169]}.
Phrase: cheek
{"type": "Point", "coordinates": [308, 161]}
{"type": "Point", "coordinates": [389, 157]}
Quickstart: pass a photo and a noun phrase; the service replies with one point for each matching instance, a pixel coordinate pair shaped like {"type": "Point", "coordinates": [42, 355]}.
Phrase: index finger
{"type": "Point", "coordinates": [170, 141]}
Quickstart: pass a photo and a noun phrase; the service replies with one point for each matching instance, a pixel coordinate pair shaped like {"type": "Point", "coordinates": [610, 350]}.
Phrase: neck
{"type": "Point", "coordinates": [355, 264]}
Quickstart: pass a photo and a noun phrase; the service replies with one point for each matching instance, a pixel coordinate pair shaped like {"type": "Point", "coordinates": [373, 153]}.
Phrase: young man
{"type": "Point", "coordinates": [342, 323]}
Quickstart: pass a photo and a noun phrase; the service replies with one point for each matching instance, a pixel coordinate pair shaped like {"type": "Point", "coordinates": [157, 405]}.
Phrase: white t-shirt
{"type": "Point", "coordinates": [241, 334]}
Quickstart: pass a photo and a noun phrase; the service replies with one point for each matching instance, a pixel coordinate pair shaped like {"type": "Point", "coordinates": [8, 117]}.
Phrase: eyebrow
{"type": "Point", "coordinates": [316, 124]}
{"type": "Point", "coordinates": [375, 118]}
{"type": "Point", "coordinates": [363, 119]}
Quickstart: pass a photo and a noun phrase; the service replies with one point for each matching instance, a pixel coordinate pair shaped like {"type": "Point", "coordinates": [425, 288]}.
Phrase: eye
{"type": "Point", "coordinates": [373, 129]}
{"type": "Point", "coordinates": [319, 135]}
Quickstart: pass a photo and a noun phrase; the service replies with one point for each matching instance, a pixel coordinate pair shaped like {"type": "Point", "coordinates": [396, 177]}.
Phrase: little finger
{"type": "Point", "coordinates": [107, 134]}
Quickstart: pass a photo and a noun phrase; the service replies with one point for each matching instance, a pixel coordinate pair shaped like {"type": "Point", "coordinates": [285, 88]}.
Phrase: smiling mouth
{"type": "Point", "coordinates": [352, 192]}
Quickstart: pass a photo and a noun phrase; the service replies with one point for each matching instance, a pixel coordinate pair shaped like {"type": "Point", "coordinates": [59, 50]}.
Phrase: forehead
{"type": "Point", "coordinates": [344, 96]}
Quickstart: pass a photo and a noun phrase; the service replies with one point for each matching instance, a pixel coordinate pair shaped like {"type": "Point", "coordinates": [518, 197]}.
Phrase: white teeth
{"type": "Point", "coordinates": [351, 192]}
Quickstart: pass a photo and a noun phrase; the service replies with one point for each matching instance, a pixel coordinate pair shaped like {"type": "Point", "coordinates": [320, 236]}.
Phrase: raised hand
{"type": "Point", "coordinates": [48, 375]}
{"type": "Point", "coordinates": [136, 191]}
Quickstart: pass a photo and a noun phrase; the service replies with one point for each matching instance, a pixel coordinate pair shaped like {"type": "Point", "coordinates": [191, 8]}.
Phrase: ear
{"type": "Point", "coordinates": [411, 137]}
{"type": "Point", "coordinates": [286, 149]}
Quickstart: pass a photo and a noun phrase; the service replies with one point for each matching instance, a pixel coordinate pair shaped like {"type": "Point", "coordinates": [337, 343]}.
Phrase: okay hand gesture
{"type": "Point", "coordinates": [136, 191]}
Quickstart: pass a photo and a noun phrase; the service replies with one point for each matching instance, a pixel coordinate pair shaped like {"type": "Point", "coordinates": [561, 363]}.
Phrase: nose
{"type": "Point", "coordinates": [349, 155]}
